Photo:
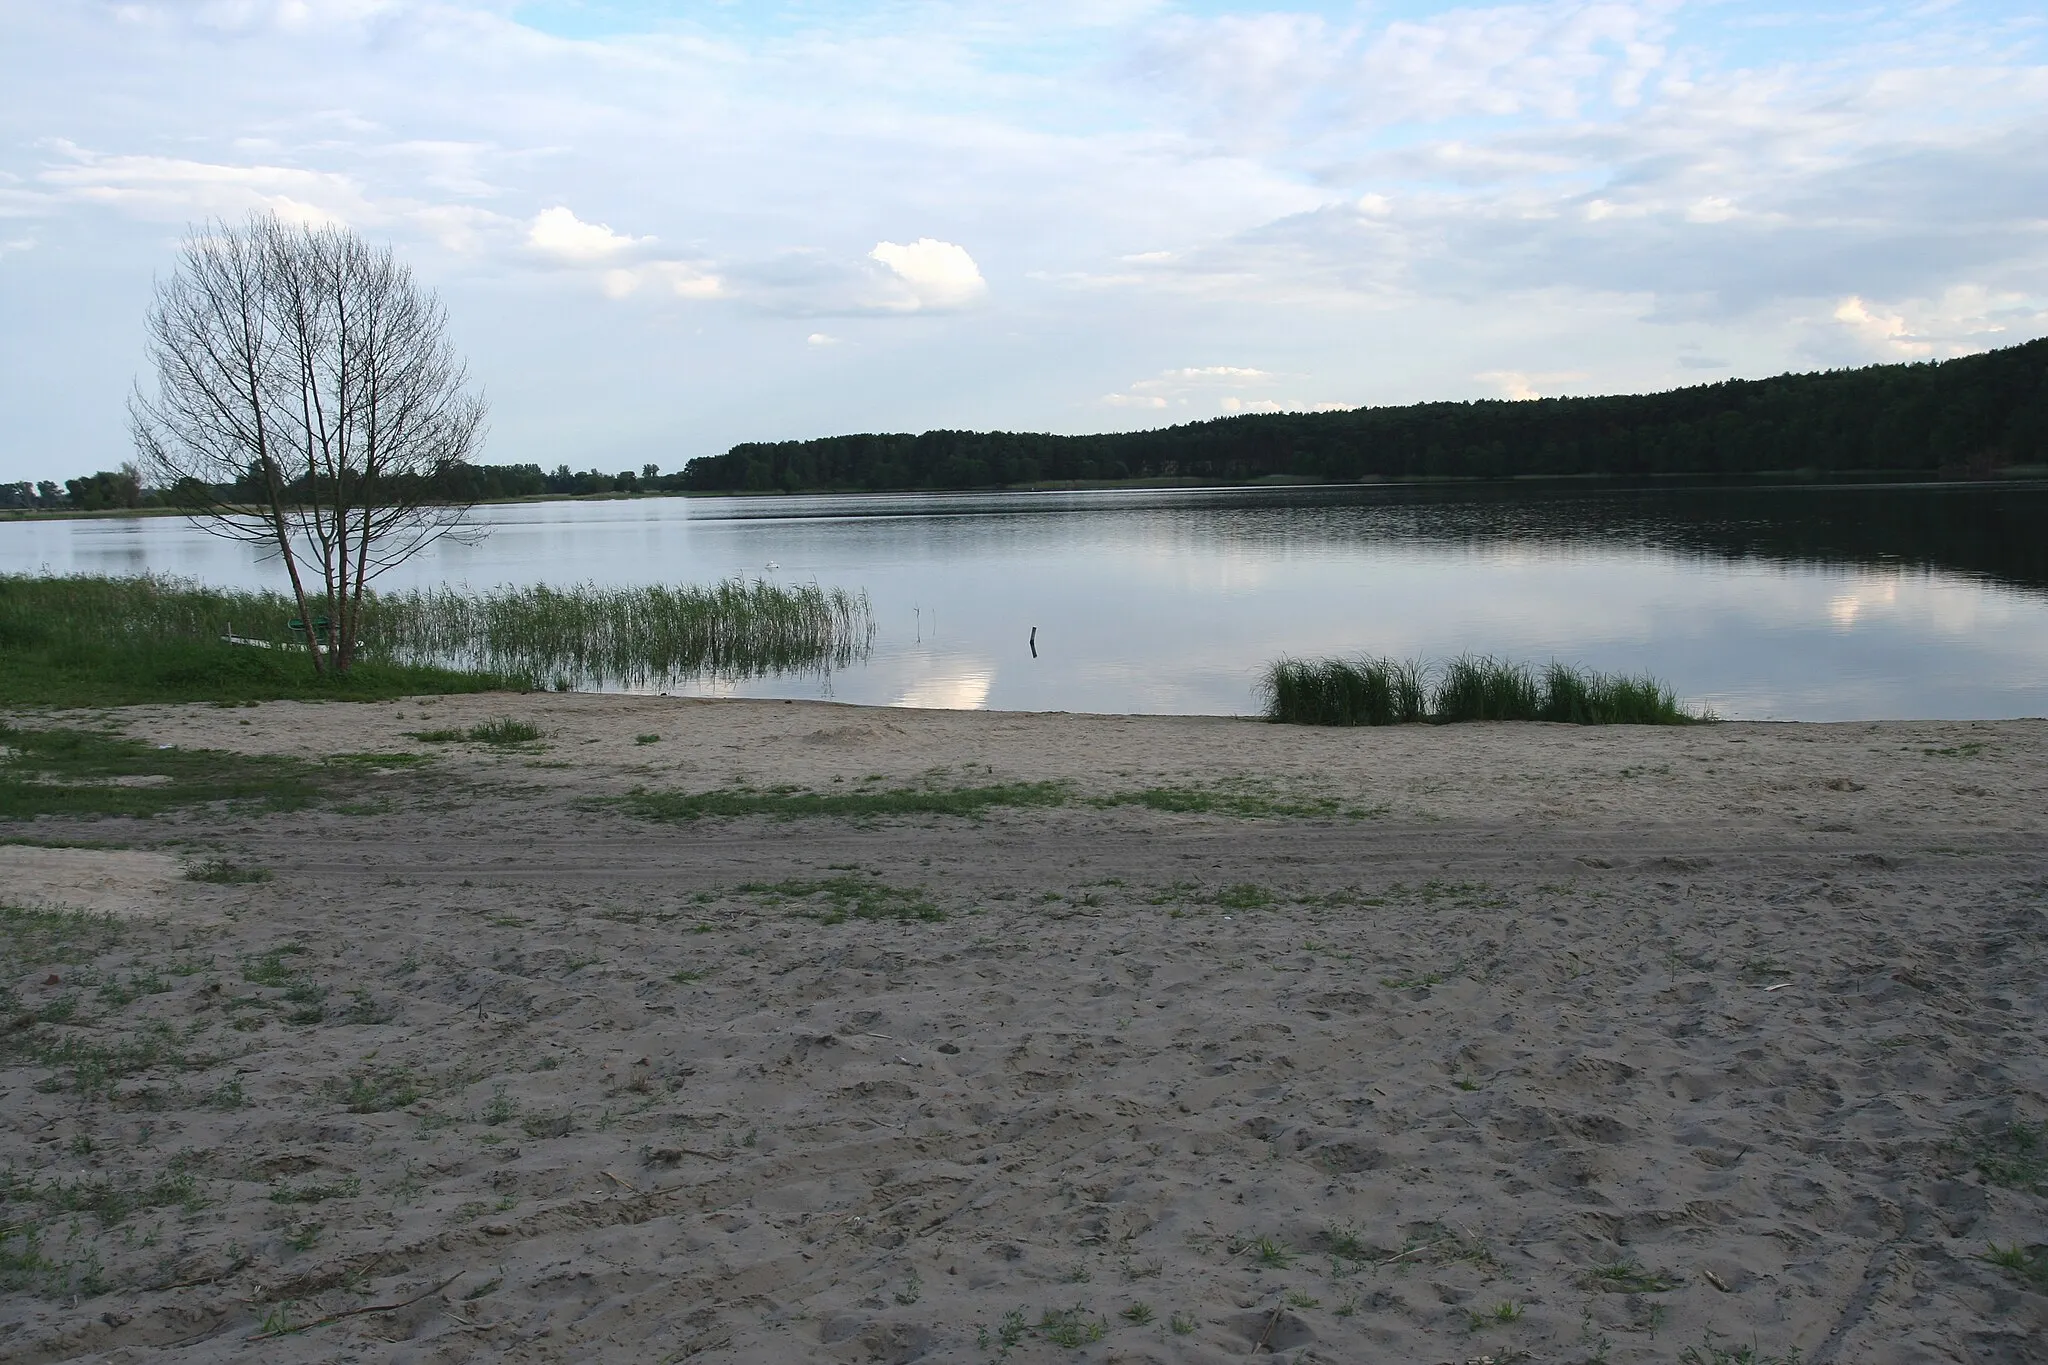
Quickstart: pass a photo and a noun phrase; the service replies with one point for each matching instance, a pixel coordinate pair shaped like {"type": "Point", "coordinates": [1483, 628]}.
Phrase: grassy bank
{"type": "Point", "coordinates": [1371, 691]}
{"type": "Point", "coordinates": [91, 641]}
{"type": "Point", "coordinates": [96, 641]}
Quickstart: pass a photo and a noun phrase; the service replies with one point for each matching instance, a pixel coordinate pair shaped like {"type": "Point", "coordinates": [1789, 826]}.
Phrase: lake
{"type": "Point", "coordinates": [1767, 602]}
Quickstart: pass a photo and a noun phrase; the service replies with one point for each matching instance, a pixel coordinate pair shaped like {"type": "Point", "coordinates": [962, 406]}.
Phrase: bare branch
{"type": "Point", "coordinates": [307, 398]}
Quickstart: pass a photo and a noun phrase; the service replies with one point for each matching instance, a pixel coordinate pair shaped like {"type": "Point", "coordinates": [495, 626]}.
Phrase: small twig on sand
{"type": "Point", "coordinates": [356, 1312]}
{"type": "Point", "coordinates": [1426, 1246]}
{"type": "Point", "coordinates": [1271, 1322]}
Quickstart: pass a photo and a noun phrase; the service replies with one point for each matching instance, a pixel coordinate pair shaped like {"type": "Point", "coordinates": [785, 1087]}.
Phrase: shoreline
{"type": "Point", "coordinates": [2015, 476]}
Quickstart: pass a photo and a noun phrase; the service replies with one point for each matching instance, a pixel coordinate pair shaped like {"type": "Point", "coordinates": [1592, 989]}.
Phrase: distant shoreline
{"type": "Point", "coordinates": [2012, 475]}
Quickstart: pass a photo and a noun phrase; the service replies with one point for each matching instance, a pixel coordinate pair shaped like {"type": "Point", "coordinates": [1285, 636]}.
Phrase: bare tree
{"type": "Point", "coordinates": [307, 399]}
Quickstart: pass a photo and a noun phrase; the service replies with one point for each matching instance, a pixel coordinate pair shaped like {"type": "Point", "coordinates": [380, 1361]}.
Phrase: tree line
{"type": "Point", "coordinates": [1963, 416]}
{"type": "Point", "coordinates": [1967, 416]}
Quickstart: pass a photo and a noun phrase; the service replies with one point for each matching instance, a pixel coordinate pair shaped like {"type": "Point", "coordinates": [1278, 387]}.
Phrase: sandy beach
{"type": "Point", "coordinates": [1435, 1044]}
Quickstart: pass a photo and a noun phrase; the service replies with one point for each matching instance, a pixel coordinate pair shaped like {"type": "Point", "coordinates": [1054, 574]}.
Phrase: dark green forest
{"type": "Point", "coordinates": [1964, 418]}
{"type": "Point", "coordinates": [1957, 417]}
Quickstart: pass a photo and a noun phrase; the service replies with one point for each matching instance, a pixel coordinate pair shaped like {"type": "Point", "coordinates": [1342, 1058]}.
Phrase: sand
{"type": "Point", "coordinates": [1544, 1043]}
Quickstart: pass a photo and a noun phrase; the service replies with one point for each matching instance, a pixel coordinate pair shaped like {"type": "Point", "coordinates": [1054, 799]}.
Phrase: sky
{"type": "Point", "coordinates": [663, 228]}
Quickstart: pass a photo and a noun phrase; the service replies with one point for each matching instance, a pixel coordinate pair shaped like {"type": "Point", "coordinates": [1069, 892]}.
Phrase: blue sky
{"type": "Point", "coordinates": [661, 228]}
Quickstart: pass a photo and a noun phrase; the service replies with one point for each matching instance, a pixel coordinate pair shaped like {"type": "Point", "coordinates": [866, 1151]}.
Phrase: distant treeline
{"type": "Point", "coordinates": [1959, 417]}
{"type": "Point", "coordinates": [1969, 415]}
{"type": "Point", "coordinates": [101, 492]}
{"type": "Point", "coordinates": [455, 483]}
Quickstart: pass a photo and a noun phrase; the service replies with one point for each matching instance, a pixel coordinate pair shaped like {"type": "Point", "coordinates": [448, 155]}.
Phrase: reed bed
{"type": "Point", "coordinates": [146, 609]}
{"type": "Point", "coordinates": [591, 636]}
{"type": "Point", "coordinates": [1378, 691]}
{"type": "Point", "coordinates": [561, 637]}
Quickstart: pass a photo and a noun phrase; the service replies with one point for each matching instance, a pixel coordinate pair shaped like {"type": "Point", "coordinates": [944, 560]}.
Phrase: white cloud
{"type": "Point", "coordinates": [820, 339]}
{"type": "Point", "coordinates": [175, 189]}
{"type": "Point", "coordinates": [929, 274]}
{"type": "Point", "coordinates": [558, 232]}
{"type": "Point", "coordinates": [1881, 328]}
{"type": "Point", "coordinates": [461, 228]}
{"type": "Point", "coordinates": [1521, 387]}
{"type": "Point", "coordinates": [680, 278]}
{"type": "Point", "coordinates": [1962, 320]}
{"type": "Point", "coordinates": [1234, 404]}
{"type": "Point", "coordinates": [1206, 374]}
{"type": "Point", "coordinates": [1203, 388]}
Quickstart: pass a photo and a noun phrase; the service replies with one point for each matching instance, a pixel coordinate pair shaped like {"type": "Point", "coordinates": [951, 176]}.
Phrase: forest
{"type": "Point", "coordinates": [1967, 416]}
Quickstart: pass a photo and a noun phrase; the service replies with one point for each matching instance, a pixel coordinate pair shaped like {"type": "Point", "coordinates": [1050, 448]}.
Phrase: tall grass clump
{"type": "Point", "coordinates": [1577, 696]}
{"type": "Point", "coordinates": [1370, 691]}
{"type": "Point", "coordinates": [1362, 691]}
{"type": "Point", "coordinates": [589, 635]}
{"type": "Point", "coordinates": [89, 640]}
{"type": "Point", "coordinates": [1478, 688]}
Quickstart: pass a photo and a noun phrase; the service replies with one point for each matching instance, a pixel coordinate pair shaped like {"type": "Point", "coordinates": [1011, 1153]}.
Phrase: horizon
{"type": "Point", "coordinates": [662, 230]}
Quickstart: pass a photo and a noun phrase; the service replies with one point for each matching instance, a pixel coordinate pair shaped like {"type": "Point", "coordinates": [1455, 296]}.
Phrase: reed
{"type": "Point", "coordinates": [100, 640]}
{"type": "Point", "coordinates": [1473, 687]}
{"type": "Point", "coordinates": [94, 641]}
{"type": "Point", "coordinates": [591, 636]}
{"type": "Point", "coordinates": [1377, 691]}
{"type": "Point", "coordinates": [1362, 691]}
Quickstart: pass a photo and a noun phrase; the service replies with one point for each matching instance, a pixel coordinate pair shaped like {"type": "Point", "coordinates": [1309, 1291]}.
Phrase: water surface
{"type": "Point", "coordinates": [1818, 603]}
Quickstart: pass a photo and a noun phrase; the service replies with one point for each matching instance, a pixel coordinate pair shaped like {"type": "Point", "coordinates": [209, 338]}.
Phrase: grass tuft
{"type": "Point", "coordinates": [2014, 1155]}
{"type": "Point", "coordinates": [788, 803]}
{"type": "Point", "coordinates": [1628, 1276]}
{"type": "Point", "coordinates": [2028, 1265]}
{"type": "Point", "coordinates": [500, 730]}
{"type": "Point", "coordinates": [221, 872]}
{"type": "Point", "coordinates": [1372, 691]}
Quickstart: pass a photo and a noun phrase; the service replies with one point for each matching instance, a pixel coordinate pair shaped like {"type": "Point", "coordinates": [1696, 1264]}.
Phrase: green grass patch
{"type": "Point", "coordinates": [502, 731]}
{"type": "Point", "coordinates": [93, 641]}
{"type": "Point", "coordinates": [1373, 691]}
{"type": "Point", "coordinates": [51, 938]}
{"type": "Point", "coordinates": [789, 803]}
{"type": "Point", "coordinates": [1241, 801]}
{"type": "Point", "coordinates": [1629, 1276]}
{"type": "Point", "coordinates": [851, 896]}
{"type": "Point", "coordinates": [2014, 1155]}
{"type": "Point", "coordinates": [2028, 1265]}
{"type": "Point", "coordinates": [91, 1066]}
{"type": "Point", "coordinates": [377, 1090]}
{"type": "Point", "coordinates": [89, 773]}
{"type": "Point", "coordinates": [221, 872]}
{"type": "Point", "coordinates": [108, 1199]}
